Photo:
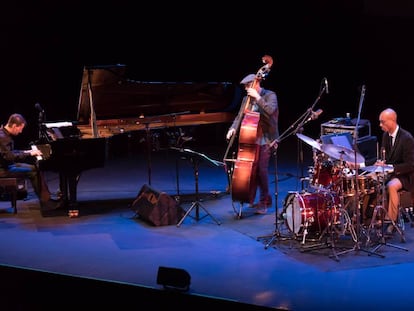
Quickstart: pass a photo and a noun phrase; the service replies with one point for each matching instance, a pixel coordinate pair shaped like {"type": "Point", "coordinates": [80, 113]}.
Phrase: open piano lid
{"type": "Point", "coordinates": [112, 95]}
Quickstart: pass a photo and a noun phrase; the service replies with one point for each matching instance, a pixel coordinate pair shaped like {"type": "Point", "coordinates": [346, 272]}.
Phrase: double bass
{"type": "Point", "coordinates": [243, 175]}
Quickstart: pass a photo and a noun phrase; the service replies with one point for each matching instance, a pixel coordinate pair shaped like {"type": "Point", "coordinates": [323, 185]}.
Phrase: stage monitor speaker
{"type": "Point", "coordinates": [173, 278]}
{"type": "Point", "coordinates": [157, 208]}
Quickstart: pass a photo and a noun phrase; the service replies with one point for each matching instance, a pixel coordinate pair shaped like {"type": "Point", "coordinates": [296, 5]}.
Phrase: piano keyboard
{"type": "Point", "coordinates": [45, 149]}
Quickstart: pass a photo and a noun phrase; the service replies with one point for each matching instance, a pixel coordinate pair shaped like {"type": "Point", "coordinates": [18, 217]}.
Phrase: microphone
{"type": "Point", "coordinates": [315, 114]}
{"type": "Point", "coordinates": [383, 154]}
{"type": "Point", "coordinates": [325, 80]}
{"type": "Point", "coordinates": [39, 108]}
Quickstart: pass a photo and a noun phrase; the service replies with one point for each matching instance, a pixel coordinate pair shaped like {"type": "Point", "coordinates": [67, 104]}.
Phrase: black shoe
{"type": "Point", "coordinates": [51, 209]}
{"type": "Point", "coordinates": [57, 200]}
{"type": "Point", "coordinates": [51, 205]}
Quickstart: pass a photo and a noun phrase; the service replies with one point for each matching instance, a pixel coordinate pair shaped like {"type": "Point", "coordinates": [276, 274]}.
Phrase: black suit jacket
{"type": "Point", "coordinates": [401, 155]}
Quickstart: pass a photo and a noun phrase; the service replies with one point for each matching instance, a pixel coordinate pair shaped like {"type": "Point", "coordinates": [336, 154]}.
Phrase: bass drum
{"type": "Point", "coordinates": [311, 211]}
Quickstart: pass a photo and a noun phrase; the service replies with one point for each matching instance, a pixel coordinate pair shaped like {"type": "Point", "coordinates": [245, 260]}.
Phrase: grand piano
{"type": "Point", "coordinates": [111, 104]}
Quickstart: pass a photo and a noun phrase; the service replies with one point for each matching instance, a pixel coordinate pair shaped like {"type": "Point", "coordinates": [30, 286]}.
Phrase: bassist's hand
{"type": "Point", "coordinates": [230, 133]}
{"type": "Point", "coordinates": [274, 144]}
{"type": "Point", "coordinates": [252, 92]}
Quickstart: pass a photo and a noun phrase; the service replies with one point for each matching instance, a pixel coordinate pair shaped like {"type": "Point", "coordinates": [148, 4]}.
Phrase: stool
{"type": "Point", "coordinates": [406, 202]}
{"type": "Point", "coordinates": [9, 185]}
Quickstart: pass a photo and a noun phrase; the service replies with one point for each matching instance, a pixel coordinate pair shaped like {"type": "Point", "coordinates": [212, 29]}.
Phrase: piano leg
{"type": "Point", "coordinates": [68, 185]}
{"type": "Point", "coordinates": [72, 185]}
{"type": "Point", "coordinates": [63, 185]}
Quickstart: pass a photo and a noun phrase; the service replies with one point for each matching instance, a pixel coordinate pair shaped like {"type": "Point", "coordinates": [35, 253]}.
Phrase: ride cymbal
{"type": "Point", "coordinates": [378, 168]}
{"type": "Point", "coordinates": [309, 141]}
{"type": "Point", "coordinates": [342, 153]}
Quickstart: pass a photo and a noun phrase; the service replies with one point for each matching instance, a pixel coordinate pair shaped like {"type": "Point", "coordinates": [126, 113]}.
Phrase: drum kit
{"type": "Point", "coordinates": [338, 199]}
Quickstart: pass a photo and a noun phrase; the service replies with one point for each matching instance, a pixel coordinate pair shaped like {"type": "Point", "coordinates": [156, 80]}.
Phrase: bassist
{"type": "Point", "coordinates": [265, 103]}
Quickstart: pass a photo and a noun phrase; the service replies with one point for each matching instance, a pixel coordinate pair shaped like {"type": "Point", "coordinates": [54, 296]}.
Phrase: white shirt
{"type": "Point", "coordinates": [393, 135]}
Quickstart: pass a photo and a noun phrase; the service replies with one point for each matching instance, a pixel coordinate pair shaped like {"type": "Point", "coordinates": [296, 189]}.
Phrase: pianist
{"type": "Point", "coordinates": [21, 163]}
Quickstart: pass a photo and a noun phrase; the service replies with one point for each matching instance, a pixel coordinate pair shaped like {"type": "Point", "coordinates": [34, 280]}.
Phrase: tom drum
{"type": "Point", "coordinates": [325, 174]}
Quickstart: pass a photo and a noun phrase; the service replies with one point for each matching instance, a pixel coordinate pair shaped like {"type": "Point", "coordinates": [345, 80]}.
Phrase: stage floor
{"type": "Point", "coordinates": [253, 259]}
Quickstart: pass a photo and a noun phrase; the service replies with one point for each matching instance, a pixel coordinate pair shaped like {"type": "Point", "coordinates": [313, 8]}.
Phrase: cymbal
{"type": "Point", "coordinates": [309, 141]}
{"type": "Point", "coordinates": [378, 168]}
{"type": "Point", "coordinates": [345, 154]}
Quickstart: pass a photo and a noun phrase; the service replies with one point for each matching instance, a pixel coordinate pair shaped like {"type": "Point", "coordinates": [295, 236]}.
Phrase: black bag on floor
{"type": "Point", "coordinates": [157, 208]}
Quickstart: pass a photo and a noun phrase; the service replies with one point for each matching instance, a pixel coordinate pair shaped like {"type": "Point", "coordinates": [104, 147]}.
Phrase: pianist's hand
{"type": "Point", "coordinates": [34, 153]}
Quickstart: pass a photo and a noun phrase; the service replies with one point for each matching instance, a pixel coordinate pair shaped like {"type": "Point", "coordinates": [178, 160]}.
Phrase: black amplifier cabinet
{"type": "Point", "coordinates": [367, 146]}
{"type": "Point", "coordinates": [346, 125]}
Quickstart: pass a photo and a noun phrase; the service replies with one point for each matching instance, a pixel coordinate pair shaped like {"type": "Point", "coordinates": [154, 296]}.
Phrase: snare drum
{"type": "Point", "coordinates": [366, 185]}
{"type": "Point", "coordinates": [312, 211]}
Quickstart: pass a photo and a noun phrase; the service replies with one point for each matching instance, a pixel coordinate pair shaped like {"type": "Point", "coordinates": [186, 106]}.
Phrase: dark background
{"type": "Point", "coordinates": [45, 46]}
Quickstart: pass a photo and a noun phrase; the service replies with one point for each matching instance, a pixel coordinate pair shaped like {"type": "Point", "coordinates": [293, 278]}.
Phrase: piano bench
{"type": "Point", "coordinates": [8, 185]}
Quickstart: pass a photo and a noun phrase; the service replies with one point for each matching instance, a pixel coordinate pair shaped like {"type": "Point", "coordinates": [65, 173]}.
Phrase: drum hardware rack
{"type": "Point", "coordinates": [357, 243]}
{"type": "Point", "coordinates": [331, 230]}
{"type": "Point", "coordinates": [331, 233]}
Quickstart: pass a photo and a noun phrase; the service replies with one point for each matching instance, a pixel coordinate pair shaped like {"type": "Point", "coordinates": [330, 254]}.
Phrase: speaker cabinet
{"type": "Point", "coordinates": [174, 278]}
{"type": "Point", "coordinates": [157, 208]}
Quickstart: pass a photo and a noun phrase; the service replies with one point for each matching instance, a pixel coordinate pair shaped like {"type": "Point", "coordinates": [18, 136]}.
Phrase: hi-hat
{"type": "Point", "coordinates": [342, 153]}
{"type": "Point", "coordinates": [378, 168]}
{"type": "Point", "coordinates": [309, 141]}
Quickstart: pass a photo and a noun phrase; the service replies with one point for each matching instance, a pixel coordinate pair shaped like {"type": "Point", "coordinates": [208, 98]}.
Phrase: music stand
{"type": "Point", "coordinates": [195, 158]}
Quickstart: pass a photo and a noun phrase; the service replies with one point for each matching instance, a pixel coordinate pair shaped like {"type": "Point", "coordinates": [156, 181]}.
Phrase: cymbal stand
{"type": "Point", "coordinates": [196, 204]}
{"type": "Point", "coordinates": [301, 161]}
{"type": "Point", "coordinates": [382, 211]}
{"type": "Point", "coordinates": [357, 243]}
{"type": "Point", "coordinates": [149, 146]}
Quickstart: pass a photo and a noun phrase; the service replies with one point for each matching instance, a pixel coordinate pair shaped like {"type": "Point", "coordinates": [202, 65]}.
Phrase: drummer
{"type": "Point", "coordinates": [396, 159]}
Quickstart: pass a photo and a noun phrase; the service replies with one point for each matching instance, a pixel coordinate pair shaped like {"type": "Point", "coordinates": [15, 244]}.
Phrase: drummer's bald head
{"type": "Point", "coordinates": [388, 114]}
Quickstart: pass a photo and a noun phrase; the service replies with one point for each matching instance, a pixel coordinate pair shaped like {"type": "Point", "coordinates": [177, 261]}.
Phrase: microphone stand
{"type": "Point", "coordinates": [40, 121]}
{"type": "Point", "coordinates": [305, 118]}
{"type": "Point", "coordinates": [293, 129]}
